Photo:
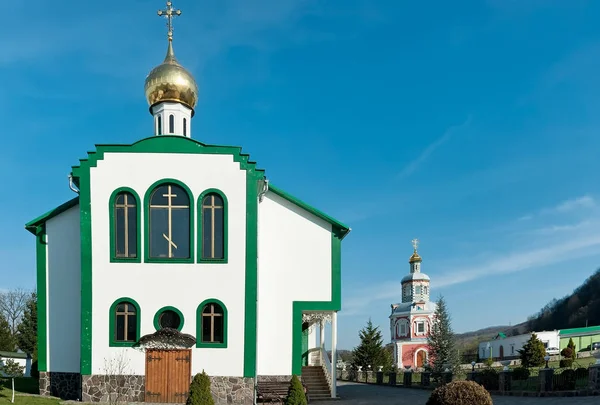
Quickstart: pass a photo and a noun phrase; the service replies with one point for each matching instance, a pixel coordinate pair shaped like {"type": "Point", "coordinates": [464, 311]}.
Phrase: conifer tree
{"type": "Point", "coordinates": [27, 329]}
{"type": "Point", "coordinates": [441, 341]}
{"type": "Point", "coordinates": [571, 345]}
{"type": "Point", "coordinates": [533, 352]}
{"type": "Point", "coordinates": [200, 391]}
{"type": "Point", "coordinates": [370, 351]}
{"type": "Point", "coordinates": [7, 340]}
{"type": "Point", "coordinates": [296, 395]}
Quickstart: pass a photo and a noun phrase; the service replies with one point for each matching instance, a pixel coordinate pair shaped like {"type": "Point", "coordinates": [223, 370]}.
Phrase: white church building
{"type": "Point", "coordinates": [177, 257]}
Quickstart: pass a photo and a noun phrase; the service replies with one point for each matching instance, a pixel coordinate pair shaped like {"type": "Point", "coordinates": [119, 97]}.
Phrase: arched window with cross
{"type": "Point", "coordinates": [124, 208]}
{"type": "Point", "coordinates": [211, 324]}
{"type": "Point", "coordinates": [212, 226]}
{"type": "Point", "coordinates": [169, 216]}
{"type": "Point", "coordinates": [124, 324]}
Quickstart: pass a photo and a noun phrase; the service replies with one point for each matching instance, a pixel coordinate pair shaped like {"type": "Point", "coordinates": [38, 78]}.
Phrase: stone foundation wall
{"type": "Point", "coordinates": [232, 390]}
{"type": "Point", "coordinates": [99, 388]}
{"type": "Point", "coordinates": [62, 385]}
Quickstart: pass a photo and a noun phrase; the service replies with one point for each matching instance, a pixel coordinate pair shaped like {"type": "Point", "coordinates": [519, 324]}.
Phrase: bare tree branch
{"type": "Point", "coordinates": [12, 305]}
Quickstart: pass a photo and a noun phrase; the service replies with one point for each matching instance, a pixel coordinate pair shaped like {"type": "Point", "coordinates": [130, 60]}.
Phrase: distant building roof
{"type": "Point", "coordinates": [13, 355]}
{"type": "Point", "coordinates": [590, 330]}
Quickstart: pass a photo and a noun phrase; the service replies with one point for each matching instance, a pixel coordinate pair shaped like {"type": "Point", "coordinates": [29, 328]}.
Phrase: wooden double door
{"type": "Point", "coordinates": [168, 375]}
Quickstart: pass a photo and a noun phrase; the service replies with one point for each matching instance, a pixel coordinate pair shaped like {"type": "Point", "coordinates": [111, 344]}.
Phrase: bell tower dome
{"type": "Point", "coordinates": [415, 285]}
{"type": "Point", "coordinates": [171, 90]}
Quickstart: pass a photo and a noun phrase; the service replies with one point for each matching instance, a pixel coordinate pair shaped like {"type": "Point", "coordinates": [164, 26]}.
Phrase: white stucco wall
{"type": "Point", "coordinates": [513, 343]}
{"type": "Point", "coordinates": [294, 265]}
{"type": "Point", "coordinates": [64, 291]}
{"type": "Point", "coordinates": [155, 285]}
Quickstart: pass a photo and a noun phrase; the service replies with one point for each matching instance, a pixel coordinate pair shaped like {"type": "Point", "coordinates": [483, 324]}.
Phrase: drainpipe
{"type": "Point", "coordinates": [72, 185]}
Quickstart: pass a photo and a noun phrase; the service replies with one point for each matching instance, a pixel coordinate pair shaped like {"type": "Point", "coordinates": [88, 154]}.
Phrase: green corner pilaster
{"type": "Point", "coordinates": [85, 211]}
{"type": "Point", "coordinates": [42, 294]}
{"type": "Point", "coordinates": [250, 326]}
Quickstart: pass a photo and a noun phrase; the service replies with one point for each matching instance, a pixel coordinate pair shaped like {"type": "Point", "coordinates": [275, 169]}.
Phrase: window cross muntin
{"type": "Point", "coordinates": [126, 313]}
{"type": "Point", "coordinates": [170, 207]}
{"type": "Point", "coordinates": [213, 207]}
{"type": "Point", "coordinates": [212, 315]}
{"type": "Point", "coordinates": [125, 206]}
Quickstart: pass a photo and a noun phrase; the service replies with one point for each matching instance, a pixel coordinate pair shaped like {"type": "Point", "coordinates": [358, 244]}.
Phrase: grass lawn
{"type": "Point", "coordinates": [23, 386]}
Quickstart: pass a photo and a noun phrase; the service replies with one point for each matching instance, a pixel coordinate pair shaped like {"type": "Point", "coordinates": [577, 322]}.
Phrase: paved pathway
{"type": "Point", "coordinates": [362, 394]}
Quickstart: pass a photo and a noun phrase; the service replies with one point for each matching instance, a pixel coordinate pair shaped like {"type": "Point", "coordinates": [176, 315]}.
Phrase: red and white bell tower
{"type": "Point", "coordinates": [412, 319]}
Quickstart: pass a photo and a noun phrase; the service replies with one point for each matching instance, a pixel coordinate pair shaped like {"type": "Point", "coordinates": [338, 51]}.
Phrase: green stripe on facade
{"type": "Point", "coordinates": [334, 305]}
{"type": "Point", "coordinates": [40, 252]}
{"type": "Point", "coordinates": [250, 327]}
{"type": "Point", "coordinates": [85, 212]}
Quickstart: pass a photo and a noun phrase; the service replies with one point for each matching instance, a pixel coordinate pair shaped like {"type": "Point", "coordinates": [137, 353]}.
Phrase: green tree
{"type": "Point", "coordinates": [441, 341]}
{"type": "Point", "coordinates": [7, 339]}
{"type": "Point", "coordinates": [533, 352]}
{"type": "Point", "coordinates": [296, 395]}
{"type": "Point", "coordinates": [27, 329]}
{"type": "Point", "coordinates": [200, 391]}
{"type": "Point", "coordinates": [571, 345]}
{"type": "Point", "coordinates": [370, 351]}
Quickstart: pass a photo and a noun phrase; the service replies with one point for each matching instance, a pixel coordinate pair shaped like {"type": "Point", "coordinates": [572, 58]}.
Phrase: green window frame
{"type": "Point", "coordinates": [112, 328]}
{"type": "Point", "coordinates": [164, 309]}
{"type": "Point", "coordinates": [114, 258]}
{"type": "Point", "coordinates": [147, 237]}
{"type": "Point", "coordinates": [201, 258]}
{"type": "Point", "coordinates": [199, 324]}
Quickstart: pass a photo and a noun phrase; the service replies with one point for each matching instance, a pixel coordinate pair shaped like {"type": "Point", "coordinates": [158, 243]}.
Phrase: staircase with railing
{"type": "Point", "coordinates": [317, 375]}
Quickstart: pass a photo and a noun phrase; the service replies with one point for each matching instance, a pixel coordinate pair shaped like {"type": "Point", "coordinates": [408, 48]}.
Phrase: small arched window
{"type": "Point", "coordinates": [159, 125]}
{"type": "Point", "coordinates": [212, 324]}
{"type": "Point", "coordinates": [169, 227]}
{"type": "Point", "coordinates": [124, 322]}
{"type": "Point", "coordinates": [171, 123]}
{"type": "Point", "coordinates": [213, 226]}
{"type": "Point", "coordinates": [124, 225]}
{"type": "Point", "coordinates": [185, 127]}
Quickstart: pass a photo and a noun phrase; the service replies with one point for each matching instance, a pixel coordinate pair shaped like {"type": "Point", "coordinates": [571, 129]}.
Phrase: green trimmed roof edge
{"type": "Point", "coordinates": [589, 329]}
{"type": "Point", "coordinates": [42, 219]}
{"type": "Point", "coordinates": [342, 228]}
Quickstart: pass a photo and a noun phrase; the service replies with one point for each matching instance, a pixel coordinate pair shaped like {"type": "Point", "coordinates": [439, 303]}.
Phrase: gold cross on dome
{"type": "Point", "coordinates": [169, 13]}
{"type": "Point", "coordinates": [415, 243]}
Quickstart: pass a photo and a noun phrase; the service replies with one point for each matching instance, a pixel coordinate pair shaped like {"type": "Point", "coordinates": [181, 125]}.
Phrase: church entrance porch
{"type": "Point", "coordinates": [168, 375]}
{"type": "Point", "coordinates": [318, 369]}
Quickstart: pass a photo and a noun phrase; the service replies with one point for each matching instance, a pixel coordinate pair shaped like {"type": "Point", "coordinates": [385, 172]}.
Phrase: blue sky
{"type": "Point", "coordinates": [473, 127]}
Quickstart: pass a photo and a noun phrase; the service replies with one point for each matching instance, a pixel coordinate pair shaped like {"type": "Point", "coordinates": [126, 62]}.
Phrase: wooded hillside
{"type": "Point", "coordinates": [575, 310]}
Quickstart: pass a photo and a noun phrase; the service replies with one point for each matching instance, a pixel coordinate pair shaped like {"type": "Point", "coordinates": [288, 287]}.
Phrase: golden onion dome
{"type": "Point", "coordinates": [415, 258]}
{"type": "Point", "coordinates": [170, 81]}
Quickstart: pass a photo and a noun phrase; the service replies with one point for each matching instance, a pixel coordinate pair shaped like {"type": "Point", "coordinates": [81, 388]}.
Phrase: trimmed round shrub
{"type": "Point", "coordinates": [520, 374]}
{"type": "Point", "coordinates": [460, 393]}
{"type": "Point", "coordinates": [565, 363]}
{"type": "Point", "coordinates": [567, 353]}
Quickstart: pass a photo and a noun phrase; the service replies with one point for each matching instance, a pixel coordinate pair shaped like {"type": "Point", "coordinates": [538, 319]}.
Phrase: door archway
{"type": "Point", "coordinates": [421, 358]}
{"type": "Point", "coordinates": [501, 352]}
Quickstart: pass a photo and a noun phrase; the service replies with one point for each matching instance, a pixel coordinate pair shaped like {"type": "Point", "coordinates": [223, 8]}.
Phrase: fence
{"type": "Point", "coordinates": [534, 380]}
